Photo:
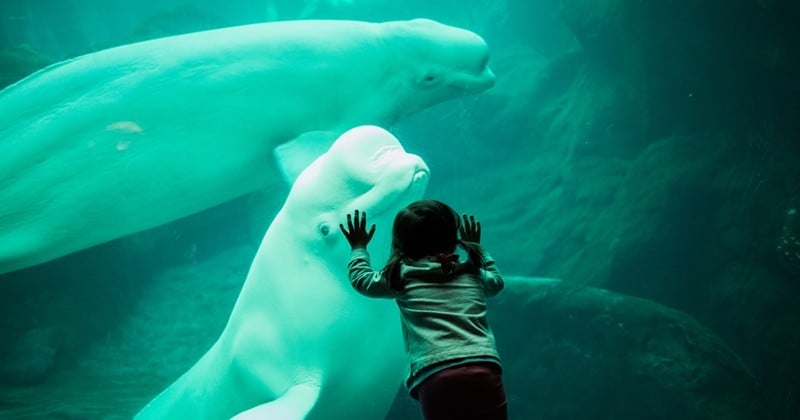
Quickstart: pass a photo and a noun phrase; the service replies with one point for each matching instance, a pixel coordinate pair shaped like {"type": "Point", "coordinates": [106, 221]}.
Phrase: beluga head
{"type": "Point", "coordinates": [367, 169]}
{"type": "Point", "coordinates": [433, 62]}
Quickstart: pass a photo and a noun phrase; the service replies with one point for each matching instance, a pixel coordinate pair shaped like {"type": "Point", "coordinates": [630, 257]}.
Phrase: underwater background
{"type": "Point", "coordinates": [650, 149]}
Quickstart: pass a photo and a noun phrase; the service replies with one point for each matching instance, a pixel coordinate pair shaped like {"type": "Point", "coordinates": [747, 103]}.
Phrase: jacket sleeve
{"type": "Point", "coordinates": [492, 279]}
{"type": "Point", "coordinates": [364, 279]}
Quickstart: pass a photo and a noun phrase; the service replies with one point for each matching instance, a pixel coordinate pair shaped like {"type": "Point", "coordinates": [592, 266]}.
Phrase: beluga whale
{"type": "Point", "coordinates": [300, 343]}
{"type": "Point", "coordinates": [129, 138]}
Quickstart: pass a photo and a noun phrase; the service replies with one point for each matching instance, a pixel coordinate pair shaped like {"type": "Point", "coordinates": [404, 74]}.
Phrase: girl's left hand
{"type": "Point", "coordinates": [356, 232]}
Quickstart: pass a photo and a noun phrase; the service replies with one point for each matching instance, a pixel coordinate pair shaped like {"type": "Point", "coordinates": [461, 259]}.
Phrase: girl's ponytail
{"type": "Point", "coordinates": [392, 272]}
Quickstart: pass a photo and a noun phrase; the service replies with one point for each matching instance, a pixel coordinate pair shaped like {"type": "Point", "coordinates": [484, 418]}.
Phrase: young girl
{"type": "Point", "coordinates": [455, 369]}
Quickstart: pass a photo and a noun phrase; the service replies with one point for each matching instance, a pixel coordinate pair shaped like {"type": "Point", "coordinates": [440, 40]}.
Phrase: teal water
{"type": "Point", "coordinates": [649, 149]}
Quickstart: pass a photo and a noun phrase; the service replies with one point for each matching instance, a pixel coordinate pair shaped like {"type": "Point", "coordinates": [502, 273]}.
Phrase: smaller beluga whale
{"type": "Point", "coordinates": [300, 343]}
{"type": "Point", "coordinates": [129, 138]}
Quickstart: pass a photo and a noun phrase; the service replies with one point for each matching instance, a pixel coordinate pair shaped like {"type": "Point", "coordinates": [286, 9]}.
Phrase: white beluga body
{"type": "Point", "coordinates": [301, 343]}
{"type": "Point", "coordinates": [125, 139]}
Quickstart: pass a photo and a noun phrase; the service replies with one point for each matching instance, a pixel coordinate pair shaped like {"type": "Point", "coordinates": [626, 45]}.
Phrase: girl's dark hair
{"type": "Point", "coordinates": [425, 228]}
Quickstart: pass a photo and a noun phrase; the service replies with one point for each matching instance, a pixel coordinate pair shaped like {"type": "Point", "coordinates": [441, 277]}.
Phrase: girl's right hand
{"type": "Point", "coordinates": [470, 229]}
{"type": "Point", "coordinates": [356, 233]}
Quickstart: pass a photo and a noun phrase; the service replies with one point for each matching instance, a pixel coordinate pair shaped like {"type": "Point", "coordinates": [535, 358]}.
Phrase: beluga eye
{"type": "Point", "coordinates": [429, 78]}
{"type": "Point", "coordinates": [326, 233]}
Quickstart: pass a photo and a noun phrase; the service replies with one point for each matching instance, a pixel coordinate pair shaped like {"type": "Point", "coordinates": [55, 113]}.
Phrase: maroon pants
{"type": "Point", "coordinates": [468, 392]}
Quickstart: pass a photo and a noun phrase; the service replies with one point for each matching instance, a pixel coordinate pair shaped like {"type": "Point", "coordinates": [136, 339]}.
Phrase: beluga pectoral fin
{"type": "Point", "coordinates": [132, 137]}
{"type": "Point", "coordinates": [294, 404]}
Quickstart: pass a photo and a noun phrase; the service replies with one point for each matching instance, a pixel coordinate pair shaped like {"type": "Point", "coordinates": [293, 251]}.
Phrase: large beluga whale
{"type": "Point", "coordinates": [125, 139]}
{"type": "Point", "coordinates": [300, 343]}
